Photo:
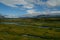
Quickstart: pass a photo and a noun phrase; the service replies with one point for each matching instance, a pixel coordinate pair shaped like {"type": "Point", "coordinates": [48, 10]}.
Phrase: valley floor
{"type": "Point", "coordinates": [28, 29]}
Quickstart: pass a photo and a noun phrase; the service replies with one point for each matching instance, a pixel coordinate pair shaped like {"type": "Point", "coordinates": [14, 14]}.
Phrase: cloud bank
{"type": "Point", "coordinates": [30, 4]}
{"type": "Point", "coordinates": [13, 3]}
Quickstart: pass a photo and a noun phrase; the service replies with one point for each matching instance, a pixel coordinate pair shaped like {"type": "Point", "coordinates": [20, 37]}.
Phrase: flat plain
{"type": "Point", "coordinates": [30, 29]}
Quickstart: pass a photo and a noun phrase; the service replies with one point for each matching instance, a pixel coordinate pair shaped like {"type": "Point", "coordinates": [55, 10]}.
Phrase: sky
{"type": "Point", "coordinates": [22, 8]}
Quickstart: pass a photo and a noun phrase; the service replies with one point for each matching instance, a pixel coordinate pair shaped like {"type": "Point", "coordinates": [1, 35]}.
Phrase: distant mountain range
{"type": "Point", "coordinates": [48, 16]}
{"type": "Point", "coordinates": [55, 15]}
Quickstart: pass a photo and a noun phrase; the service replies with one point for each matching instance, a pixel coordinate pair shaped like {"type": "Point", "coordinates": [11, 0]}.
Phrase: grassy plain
{"type": "Point", "coordinates": [30, 29]}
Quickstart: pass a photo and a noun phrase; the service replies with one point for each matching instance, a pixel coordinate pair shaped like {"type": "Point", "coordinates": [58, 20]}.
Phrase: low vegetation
{"type": "Point", "coordinates": [30, 29]}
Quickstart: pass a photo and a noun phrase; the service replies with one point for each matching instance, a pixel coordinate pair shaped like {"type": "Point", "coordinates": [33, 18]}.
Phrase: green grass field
{"type": "Point", "coordinates": [30, 29]}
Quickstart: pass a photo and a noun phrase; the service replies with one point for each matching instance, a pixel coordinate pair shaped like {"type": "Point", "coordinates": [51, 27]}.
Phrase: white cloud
{"type": "Point", "coordinates": [31, 13]}
{"type": "Point", "coordinates": [55, 12]}
{"type": "Point", "coordinates": [48, 2]}
{"type": "Point", "coordinates": [38, 2]}
{"type": "Point", "coordinates": [26, 3]}
{"type": "Point", "coordinates": [29, 4]}
{"type": "Point", "coordinates": [12, 3]}
{"type": "Point", "coordinates": [11, 16]}
{"type": "Point", "coordinates": [34, 13]}
{"type": "Point", "coordinates": [53, 2]}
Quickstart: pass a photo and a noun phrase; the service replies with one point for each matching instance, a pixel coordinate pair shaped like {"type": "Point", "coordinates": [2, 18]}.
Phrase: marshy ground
{"type": "Point", "coordinates": [29, 29]}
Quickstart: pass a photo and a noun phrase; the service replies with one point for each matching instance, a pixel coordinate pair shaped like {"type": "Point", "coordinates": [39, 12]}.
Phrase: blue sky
{"type": "Point", "coordinates": [18, 8]}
